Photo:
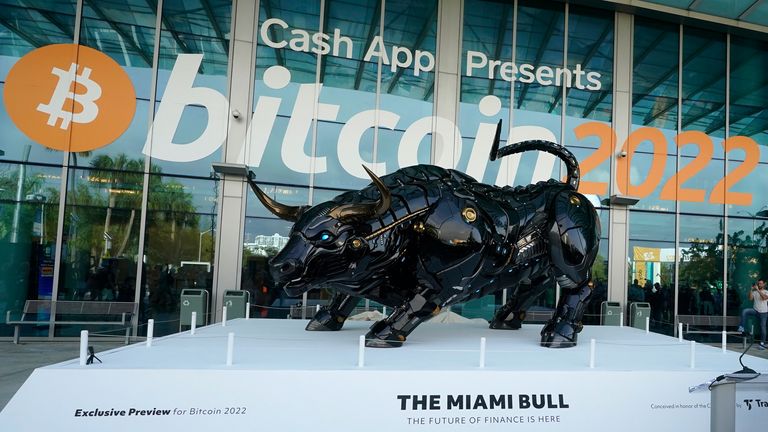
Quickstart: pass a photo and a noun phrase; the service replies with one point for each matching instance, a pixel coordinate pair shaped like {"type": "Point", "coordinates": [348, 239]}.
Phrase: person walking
{"type": "Point", "coordinates": [759, 296]}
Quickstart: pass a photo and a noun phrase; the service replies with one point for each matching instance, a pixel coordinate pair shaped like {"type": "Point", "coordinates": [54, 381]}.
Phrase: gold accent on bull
{"type": "Point", "coordinates": [382, 230]}
{"type": "Point", "coordinates": [469, 214]}
{"type": "Point", "coordinates": [419, 227]}
{"type": "Point", "coordinates": [575, 200]}
{"type": "Point", "coordinates": [357, 243]}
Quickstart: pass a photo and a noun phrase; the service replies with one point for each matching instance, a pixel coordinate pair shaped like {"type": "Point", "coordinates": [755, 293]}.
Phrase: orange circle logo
{"type": "Point", "coordinates": [69, 97]}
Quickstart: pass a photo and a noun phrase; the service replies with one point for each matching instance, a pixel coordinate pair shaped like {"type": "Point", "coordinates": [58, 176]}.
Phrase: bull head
{"type": "Point", "coordinates": [324, 238]}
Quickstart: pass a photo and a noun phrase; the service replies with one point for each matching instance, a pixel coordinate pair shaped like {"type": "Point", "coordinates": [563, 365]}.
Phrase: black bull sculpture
{"type": "Point", "coordinates": [425, 237]}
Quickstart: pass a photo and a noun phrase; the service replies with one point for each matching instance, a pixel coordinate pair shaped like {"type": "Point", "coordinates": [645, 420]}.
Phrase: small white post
{"type": "Point", "coordinates": [621, 319]}
{"type": "Point", "coordinates": [248, 310]}
{"type": "Point", "coordinates": [230, 347]}
{"type": "Point", "coordinates": [83, 346]}
{"type": "Point", "coordinates": [361, 352]}
{"type": "Point", "coordinates": [224, 316]}
{"type": "Point", "coordinates": [317, 308]}
{"type": "Point", "coordinates": [482, 352]}
{"type": "Point", "coordinates": [194, 323]}
{"type": "Point", "coordinates": [592, 353]}
{"type": "Point", "coordinates": [150, 332]}
{"type": "Point", "coordinates": [647, 325]}
{"type": "Point", "coordinates": [680, 332]}
{"type": "Point", "coordinates": [724, 341]}
{"type": "Point", "coordinates": [693, 354]}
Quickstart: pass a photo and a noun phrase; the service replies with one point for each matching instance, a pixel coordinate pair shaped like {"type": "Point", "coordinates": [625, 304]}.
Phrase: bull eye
{"type": "Point", "coordinates": [325, 237]}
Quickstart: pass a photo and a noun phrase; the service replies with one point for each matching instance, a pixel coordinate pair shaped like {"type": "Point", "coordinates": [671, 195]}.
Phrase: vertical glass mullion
{"type": "Point", "coordinates": [147, 161]}
{"type": "Point", "coordinates": [677, 168]}
{"type": "Point", "coordinates": [63, 194]}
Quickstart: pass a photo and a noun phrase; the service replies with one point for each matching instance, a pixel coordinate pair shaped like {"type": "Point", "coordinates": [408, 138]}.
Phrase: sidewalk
{"type": "Point", "coordinates": [18, 361]}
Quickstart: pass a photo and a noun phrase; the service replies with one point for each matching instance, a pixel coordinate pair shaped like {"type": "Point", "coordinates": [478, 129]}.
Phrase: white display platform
{"type": "Point", "coordinates": [286, 379]}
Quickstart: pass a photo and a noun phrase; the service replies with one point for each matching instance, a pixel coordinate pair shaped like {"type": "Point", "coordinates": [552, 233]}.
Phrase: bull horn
{"type": "Point", "coordinates": [366, 210]}
{"type": "Point", "coordinates": [382, 205]}
{"type": "Point", "coordinates": [285, 212]}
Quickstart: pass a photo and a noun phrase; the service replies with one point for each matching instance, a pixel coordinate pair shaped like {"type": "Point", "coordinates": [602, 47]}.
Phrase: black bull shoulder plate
{"type": "Point", "coordinates": [424, 237]}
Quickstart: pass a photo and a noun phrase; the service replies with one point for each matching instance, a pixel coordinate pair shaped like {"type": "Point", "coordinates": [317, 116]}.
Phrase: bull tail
{"type": "Point", "coordinates": [561, 152]}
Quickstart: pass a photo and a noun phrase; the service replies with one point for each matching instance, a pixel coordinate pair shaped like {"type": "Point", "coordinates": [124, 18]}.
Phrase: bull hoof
{"type": "Point", "coordinates": [325, 321]}
{"type": "Point", "coordinates": [559, 335]}
{"type": "Point", "coordinates": [385, 339]}
{"type": "Point", "coordinates": [513, 323]}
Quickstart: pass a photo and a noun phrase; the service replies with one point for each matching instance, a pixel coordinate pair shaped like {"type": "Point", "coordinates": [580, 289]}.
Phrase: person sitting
{"type": "Point", "coordinates": [759, 296]}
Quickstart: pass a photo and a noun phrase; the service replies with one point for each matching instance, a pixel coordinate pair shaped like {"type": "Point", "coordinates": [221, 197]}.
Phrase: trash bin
{"type": "Point", "coordinates": [610, 313]}
{"type": "Point", "coordinates": [638, 312]}
{"type": "Point", "coordinates": [236, 301]}
{"type": "Point", "coordinates": [193, 300]}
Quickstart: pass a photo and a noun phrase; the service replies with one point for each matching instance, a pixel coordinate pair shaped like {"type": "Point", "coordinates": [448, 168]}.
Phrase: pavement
{"type": "Point", "coordinates": [18, 361]}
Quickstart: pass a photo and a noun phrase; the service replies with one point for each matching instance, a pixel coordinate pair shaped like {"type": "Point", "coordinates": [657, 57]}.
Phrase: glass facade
{"type": "Point", "coordinates": [127, 209]}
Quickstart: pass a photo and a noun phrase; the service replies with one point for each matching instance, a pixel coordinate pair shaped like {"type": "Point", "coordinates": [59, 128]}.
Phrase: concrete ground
{"type": "Point", "coordinates": [18, 361]}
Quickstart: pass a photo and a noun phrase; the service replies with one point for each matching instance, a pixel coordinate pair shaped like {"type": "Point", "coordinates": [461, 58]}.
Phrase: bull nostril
{"type": "Point", "coordinates": [289, 267]}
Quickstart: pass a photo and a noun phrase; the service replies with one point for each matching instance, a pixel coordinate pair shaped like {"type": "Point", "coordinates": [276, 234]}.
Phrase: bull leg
{"type": "Point", "coordinates": [392, 331]}
{"type": "Point", "coordinates": [562, 330]}
{"type": "Point", "coordinates": [332, 317]}
{"type": "Point", "coordinates": [511, 315]}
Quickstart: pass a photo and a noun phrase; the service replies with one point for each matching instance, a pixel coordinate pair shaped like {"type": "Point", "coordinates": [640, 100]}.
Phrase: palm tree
{"type": "Point", "coordinates": [124, 177]}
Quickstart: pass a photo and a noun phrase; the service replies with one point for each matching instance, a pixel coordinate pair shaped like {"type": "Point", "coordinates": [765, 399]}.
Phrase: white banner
{"type": "Point", "coordinates": [264, 400]}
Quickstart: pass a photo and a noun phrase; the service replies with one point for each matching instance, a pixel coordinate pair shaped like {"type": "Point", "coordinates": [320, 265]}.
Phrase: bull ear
{"type": "Point", "coordinates": [366, 210]}
{"type": "Point", "coordinates": [285, 212]}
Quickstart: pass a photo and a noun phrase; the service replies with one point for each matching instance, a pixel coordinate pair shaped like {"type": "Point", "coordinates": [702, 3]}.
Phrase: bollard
{"type": "Point", "coordinates": [680, 332]}
{"type": "Point", "coordinates": [621, 319]}
{"type": "Point", "coordinates": [647, 325]}
{"type": "Point", "coordinates": [482, 352]}
{"type": "Point", "coordinates": [230, 347]}
{"type": "Point", "coordinates": [724, 341]}
{"type": "Point", "coordinates": [194, 323]}
{"type": "Point", "coordinates": [150, 331]}
{"type": "Point", "coordinates": [592, 353]}
{"type": "Point", "coordinates": [693, 354]}
{"type": "Point", "coordinates": [248, 310]}
{"type": "Point", "coordinates": [83, 346]}
{"type": "Point", "coordinates": [361, 352]}
{"type": "Point", "coordinates": [224, 316]}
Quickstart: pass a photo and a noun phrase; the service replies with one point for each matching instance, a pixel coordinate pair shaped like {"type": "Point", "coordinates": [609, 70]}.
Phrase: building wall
{"type": "Point", "coordinates": [123, 206]}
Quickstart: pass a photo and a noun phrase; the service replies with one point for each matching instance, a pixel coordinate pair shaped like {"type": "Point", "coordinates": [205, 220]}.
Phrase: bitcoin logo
{"type": "Point", "coordinates": [69, 97]}
{"type": "Point", "coordinates": [55, 108]}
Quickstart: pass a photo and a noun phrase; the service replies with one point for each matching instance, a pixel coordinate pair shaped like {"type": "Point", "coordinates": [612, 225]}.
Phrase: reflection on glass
{"type": "Point", "coordinates": [540, 40]}
{"type": "Point", "coordinates": [748, 93]}
{"type": "Point", "coordinates": [407, 92]}
{"type": "Point", "coordinates": [349, 82]}
{"type": "Point", "coordinates": [263, 238]}
{"type": "Point", "coordinates": [125, 32]}
{"type": "Point", "coordinates": [747, 253]}
{"type": "Point", "coordinates": [101, 230]}
{"type": "Point", "coordinates": [25, 26]}
{"type": "Point", "coordinates": [590, 52]}
{"type": "Point", "coordinates": [194, 27]}
{"type": "Point", "coordinates": [29, 207]}
{"type": "Point", "coordinates": [652, 266]}
{"type": "Point", "coordinates": [654, 77]}
{"type": "Point", "coordinates": [488, 28]}
{"type": "Point", "coordinates": [701, 266]}
{"type": "Point", "coordinates": [179, 247]}
{"type": "Point", "coordinates": [599, 274]}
